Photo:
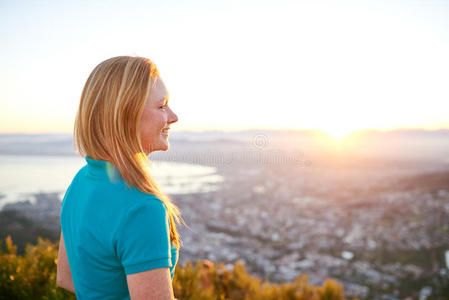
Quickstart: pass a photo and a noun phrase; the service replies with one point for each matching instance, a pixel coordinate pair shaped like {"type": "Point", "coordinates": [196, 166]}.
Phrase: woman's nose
{"type": "Point", "coordinates": [173, 117]}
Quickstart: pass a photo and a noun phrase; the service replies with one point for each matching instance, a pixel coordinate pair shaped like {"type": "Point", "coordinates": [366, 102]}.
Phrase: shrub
{"type": "Point", "coordinates": [33, 276]}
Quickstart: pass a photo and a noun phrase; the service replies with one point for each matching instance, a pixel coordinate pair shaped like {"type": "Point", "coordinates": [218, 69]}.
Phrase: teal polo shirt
{"type": "Point", "coordinates": [111, 231]}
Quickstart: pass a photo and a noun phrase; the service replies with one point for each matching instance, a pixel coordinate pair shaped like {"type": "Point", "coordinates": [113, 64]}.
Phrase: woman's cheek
{"type": "Point", "coordinates": [163, 119]}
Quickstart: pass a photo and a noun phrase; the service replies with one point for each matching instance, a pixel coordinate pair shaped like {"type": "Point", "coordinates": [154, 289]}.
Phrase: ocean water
{"type": "Point", "coordinates": [21, 176]}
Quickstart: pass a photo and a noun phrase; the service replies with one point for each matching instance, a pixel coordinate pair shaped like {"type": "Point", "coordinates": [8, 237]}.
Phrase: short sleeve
{"type": "Point", "coordinates": [143, 241]}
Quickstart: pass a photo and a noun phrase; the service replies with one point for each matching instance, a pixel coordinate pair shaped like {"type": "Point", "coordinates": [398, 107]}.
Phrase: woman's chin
{"type": "Point", "coordinates": [158, 148]}
{"type": "Point", "coordinates": [164, 146]}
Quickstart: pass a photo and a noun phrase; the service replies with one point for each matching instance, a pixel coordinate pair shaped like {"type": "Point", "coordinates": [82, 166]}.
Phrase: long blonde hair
{"type": "Point", "coordinates": [107, 124]}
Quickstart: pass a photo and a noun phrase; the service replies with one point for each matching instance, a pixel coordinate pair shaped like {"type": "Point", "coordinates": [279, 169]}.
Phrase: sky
{"type": "Point", "coordinates": [336, 66]}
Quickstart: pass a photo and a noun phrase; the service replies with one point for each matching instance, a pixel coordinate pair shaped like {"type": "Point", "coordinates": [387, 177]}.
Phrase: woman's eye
{"type": "Point", "coordinates": [164, 107]}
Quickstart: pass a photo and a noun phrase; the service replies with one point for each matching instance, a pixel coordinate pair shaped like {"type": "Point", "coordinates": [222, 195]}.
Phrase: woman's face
{"type": "Point", "coordinates": [156, 119]}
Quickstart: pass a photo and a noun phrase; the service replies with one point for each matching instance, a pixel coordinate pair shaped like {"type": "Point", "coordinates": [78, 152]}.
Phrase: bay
{"type": "Point", "coordinates": [21, 176]}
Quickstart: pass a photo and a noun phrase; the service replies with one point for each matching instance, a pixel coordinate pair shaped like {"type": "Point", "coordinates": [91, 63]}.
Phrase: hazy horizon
{"type": "Point", "coordinates": [280, 129]}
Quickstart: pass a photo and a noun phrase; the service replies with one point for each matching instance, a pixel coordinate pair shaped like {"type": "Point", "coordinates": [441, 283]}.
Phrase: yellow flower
{"type": "Point", "coordinates": [11, 277]}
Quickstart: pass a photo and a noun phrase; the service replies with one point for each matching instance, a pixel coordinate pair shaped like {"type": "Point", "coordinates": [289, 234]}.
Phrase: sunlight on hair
{"type": "Point", "coordinates": [142, 159]}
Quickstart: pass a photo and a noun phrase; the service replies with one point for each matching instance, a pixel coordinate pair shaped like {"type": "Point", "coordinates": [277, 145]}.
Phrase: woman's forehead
{"type": "Point", "coordinates": [158, 92]}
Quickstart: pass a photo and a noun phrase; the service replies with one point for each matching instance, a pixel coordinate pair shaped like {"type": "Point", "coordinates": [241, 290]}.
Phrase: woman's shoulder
{"type": "Point", "coordinates": [146, 209]}
{"type": "Point", "coordinates": [146, 199]}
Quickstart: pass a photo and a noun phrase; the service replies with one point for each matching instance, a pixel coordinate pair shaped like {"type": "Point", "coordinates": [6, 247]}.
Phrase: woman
{"type": "Point", "coordinates": [118, 232]}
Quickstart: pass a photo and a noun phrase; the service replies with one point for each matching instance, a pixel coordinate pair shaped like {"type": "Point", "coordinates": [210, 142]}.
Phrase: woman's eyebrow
{"type": "Point", "coordinates": [164, 101]}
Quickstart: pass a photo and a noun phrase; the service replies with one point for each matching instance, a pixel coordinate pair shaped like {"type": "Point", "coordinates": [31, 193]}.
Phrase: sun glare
{"type": "Point", "coordinates": [337, 133]}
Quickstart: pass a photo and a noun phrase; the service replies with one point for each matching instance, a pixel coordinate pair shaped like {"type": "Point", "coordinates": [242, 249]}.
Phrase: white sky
{"type": "Point", "coordinates": [331, 65]}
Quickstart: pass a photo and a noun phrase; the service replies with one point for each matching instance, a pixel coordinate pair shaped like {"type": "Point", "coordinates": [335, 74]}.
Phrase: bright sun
{"type": "Point", "coordinates": [337, 128]}
{"type": "Point", "coordinates": [338, 133]}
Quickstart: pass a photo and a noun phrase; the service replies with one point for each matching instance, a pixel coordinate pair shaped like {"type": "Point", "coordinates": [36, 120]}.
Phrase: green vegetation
{"type": "Point", "coordinates": [33, 276]}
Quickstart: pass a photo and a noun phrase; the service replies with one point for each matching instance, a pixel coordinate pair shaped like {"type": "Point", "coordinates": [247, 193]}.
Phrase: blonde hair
{"type": "Point", "coordinates": [107, 124]}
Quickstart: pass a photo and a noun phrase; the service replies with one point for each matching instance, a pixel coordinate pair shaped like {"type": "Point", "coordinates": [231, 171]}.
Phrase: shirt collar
{"type": "Point", "coordinates": [102, 169]}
